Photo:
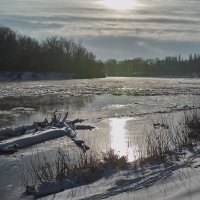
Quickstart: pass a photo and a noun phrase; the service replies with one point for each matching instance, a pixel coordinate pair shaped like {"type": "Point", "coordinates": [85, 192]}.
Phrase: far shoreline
{"type": "Point", "coordinates": [6, 76]}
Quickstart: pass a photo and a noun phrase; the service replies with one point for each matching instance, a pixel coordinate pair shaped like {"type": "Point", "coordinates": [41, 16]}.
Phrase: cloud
{"type": "Point", "coordinates": [152, 29]}
{"type": "Point", "coordinates": [130, 47]}
{"type": "Point", "coordinates": [22, 24]}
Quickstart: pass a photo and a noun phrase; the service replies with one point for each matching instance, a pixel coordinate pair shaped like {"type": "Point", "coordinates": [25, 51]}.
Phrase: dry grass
{"type": "Point", "coordinates": [192, 119]}
{"type": "Point", "coordinates": [112, 159]}
{"type": "Point", "coordinates": [162, 137]}
{"type": "Point", "coordinates": [192, 122]}
{"type": "Point", "coordinates": [80, 168]}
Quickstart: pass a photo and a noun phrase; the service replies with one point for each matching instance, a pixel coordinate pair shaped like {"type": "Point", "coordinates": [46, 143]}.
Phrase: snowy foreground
{"type": "Point", "coordinates": [177, 179]}
{"type": "Point", "coordinates": [159, 181]}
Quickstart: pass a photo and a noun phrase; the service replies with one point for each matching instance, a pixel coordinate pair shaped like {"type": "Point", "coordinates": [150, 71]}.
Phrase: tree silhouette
{"type": "Point", "coordinates": [19, 53]}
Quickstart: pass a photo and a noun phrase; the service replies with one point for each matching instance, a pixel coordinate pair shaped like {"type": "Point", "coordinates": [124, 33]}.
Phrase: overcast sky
{"type": "Point", "coordinates": [150, 28]}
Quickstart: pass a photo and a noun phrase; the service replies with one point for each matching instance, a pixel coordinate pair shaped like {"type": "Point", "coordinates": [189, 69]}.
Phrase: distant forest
{"type": "Point", "coordinates": [169, 66]}
{"type": "Point", "coordinates": [19, 53]}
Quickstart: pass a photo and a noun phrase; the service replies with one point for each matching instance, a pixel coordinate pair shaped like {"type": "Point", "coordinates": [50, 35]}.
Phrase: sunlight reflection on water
{"type": "Point", "coordinates": [119, 139]}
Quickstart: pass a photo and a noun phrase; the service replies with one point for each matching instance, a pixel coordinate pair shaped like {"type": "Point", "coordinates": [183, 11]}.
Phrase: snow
{"type": "Point", "coordinates": [22, 109]}
{"type": "Point", "coordinates": [177, 180]}
{"type": "Point", "coordinates": [53, 187]}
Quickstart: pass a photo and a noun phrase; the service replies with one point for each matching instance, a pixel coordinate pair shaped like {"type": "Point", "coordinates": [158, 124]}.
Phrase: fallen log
{"type": "Point", "coordinates": [44, 131]}
{"type": "Point", "coordinates": [39, 137]}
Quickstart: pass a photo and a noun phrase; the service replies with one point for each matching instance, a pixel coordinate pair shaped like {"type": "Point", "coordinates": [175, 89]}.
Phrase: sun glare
{"type": "Point", "coordinates": [119, 4]}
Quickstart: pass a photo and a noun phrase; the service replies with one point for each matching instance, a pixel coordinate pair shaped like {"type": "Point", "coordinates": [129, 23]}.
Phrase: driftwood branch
{"type": "Point", "coordinates": [42, 131]}
{"type": "Point", "coordinates": [65, 117]}
{"type": "Point", "coordinates": [77, 121]}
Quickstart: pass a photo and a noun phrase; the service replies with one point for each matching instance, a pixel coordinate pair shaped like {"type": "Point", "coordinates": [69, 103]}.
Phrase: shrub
{"type": "Point", "coordinates": [81, 168]}
{"type": "Point", "coordinates": [111, 159]}
{"type": "Point", "coordinates": [192, 122]}
{"type": "Point", "coordinates": [161, 137]}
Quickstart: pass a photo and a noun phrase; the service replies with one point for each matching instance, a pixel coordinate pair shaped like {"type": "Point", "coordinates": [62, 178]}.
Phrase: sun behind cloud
{"type": "Point", "coordinates": [122, 5]}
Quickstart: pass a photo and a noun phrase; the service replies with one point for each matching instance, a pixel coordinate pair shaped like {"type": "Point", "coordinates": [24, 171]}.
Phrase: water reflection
{"type": "Point", "coordinates": [36, 108]}
{"type": "Point", "coordinates": [46, 103]}
{"type": "Point", "coordinates": [119, 139]}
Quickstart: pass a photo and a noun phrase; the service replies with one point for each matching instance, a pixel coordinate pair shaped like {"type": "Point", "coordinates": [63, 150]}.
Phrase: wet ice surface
{"type": "Point", "coordinates": [116, 86]}
{"type": "Point", "coordinates": [19, 111]}
{"type": "Point", "coordinates": [117, 107]}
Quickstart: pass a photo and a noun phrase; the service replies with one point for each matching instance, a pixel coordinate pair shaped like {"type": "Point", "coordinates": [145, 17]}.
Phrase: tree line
{"type": "Point", "coordinates": [169, 66]}
{"type": "Point", "coordinates": [19, 53]}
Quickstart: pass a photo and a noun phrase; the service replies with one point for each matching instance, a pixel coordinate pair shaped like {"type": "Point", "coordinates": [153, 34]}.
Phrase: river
{"type": "Point", "coordinates": [119, 108]}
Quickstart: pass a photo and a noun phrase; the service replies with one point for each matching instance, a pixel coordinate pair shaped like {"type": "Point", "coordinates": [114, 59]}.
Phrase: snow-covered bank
{"type": "Point", "coordinates": [158, 181]}
{"type": "Point", "coordinates": [31, 76]}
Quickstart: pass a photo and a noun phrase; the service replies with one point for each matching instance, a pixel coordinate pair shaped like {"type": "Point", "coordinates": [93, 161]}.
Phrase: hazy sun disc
{"type": "Point", "coordinates": [119, 4]}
